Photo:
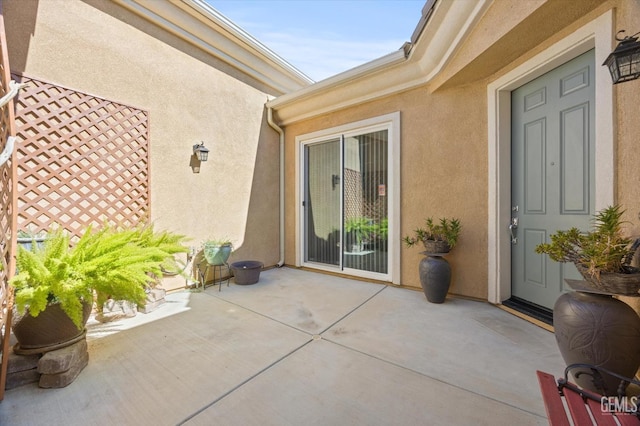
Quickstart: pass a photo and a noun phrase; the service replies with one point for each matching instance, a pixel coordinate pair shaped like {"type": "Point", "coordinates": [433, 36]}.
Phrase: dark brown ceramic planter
{"type": "Point", "coordinates": [247, 271]}
{"type": "Point", "coordinates": [435, 277]}
{"type": "Point", "coordinates": [597, 330]}
{"type": "Point", "coordinates": [52, 329]}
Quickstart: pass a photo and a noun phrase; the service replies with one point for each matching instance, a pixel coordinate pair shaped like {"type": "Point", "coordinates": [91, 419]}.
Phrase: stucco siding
{"type": "Point", "coordinates": [509, 29]}
{"type": "Point", "coordinates": [443, 173]}
{"type": "Point", "coordinates": [628, 126]}
{"type": "Point", "coordinates": [100, 48]}
{"type": "Point", "coordinates": [444, 128]}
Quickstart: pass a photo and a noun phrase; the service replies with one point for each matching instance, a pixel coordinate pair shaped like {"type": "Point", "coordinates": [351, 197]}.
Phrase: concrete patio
{"type": "Point", "coordinates": [302, 348]}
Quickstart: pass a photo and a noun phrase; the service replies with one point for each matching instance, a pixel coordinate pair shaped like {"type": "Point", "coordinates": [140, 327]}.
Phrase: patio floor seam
{"type": "Point", "coordinates": [296, 328]}
{"type": "Point", "coordinates": [279, 360]}
{"type": "Point", "coordinates": [342, 318]}
{"type": "Point", "coordinates": [431, 377]}
{"type": "Point", "coordinates": [244, 382]}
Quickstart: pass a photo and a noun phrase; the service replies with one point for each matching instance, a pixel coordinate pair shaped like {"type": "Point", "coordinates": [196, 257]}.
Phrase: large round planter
{"type": "Point", "coordinates": [216, 254]}
{"type": "Point", "coordinates": [246, 271]}
{"type": "Point", "coordinates": [597, 330]}
{"type": "Point", "coordinates": [52, 329]}
{"type": "Point", "coordinates": [435, 277]}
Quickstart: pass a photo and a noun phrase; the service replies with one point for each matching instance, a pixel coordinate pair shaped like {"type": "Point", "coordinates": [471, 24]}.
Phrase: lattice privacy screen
{"type": "Point", "coordinates": [81, 159]}
{"type": "Point", "coordinates": [7, 209]}
{"type": "Point", "coordinates": [6, 198]}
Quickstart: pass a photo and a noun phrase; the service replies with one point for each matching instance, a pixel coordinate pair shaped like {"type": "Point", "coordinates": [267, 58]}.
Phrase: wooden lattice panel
{"type": "Point", "coordinates": [6, 192]}
{"type": "Point", "coordinates": [82, 159]}
{"type": "Point", "coordinates": [7, 211]}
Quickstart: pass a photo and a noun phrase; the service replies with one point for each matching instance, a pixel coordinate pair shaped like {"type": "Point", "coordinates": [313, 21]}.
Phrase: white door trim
{"type": "Point", "coordinates": [596, 34]}
{"type": "Point", "coordinates": [391, 122]}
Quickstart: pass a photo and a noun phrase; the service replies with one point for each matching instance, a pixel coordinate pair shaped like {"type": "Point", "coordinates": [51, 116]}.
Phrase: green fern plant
{"type": "Point", "coordinates": [108, 263]}
{"type": "Point", "coordinates": [360, 227]}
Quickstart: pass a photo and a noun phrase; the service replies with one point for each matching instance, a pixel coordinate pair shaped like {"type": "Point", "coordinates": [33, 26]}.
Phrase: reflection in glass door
{"type": "Point", "coordinates": [322, 202]}
{"type": "Point", "coordinates": [346, 203]}
{"type": "Point", "coordinates": [365, 202]}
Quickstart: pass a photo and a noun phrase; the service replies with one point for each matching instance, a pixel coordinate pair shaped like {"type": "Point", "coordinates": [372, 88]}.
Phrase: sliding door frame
{"type": "Point", "coordinates": [389, 122]}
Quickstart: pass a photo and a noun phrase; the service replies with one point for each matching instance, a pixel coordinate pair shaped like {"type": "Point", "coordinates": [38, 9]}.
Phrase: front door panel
{"type": "Point", "coordinates": [552, 173]}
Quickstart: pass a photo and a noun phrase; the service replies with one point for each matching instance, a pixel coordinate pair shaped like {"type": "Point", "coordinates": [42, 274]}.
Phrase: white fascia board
{"type": "Point", "coordinates": [202, 26]}
{"type": "Point", "coordinates": [450, 21]}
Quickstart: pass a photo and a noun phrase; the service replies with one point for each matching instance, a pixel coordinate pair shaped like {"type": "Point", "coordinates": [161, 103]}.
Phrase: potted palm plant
{"type": "Point", "coordinates": [438, 238]}
{"type": "Point", "coordinates": [57, 283]}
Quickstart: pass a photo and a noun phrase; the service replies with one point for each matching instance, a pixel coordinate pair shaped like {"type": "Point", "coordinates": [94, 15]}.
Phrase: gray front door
{"type": "Point", "coordinates": [552, 172]}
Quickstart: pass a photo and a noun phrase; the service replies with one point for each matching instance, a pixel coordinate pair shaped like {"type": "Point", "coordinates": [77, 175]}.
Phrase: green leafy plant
{"type": "Point", "coordinates": [445, 229]}
{"type": "Point", "coordinates": [605, 249]}
{"type": "Point", "coordinates": [218, 242]}
{"type": "Point", "coordinates": [108, 263]}
{"type": "Point", "coordinates": [381, 230]}
{"type": "Point", "coordinates": [359, 227]}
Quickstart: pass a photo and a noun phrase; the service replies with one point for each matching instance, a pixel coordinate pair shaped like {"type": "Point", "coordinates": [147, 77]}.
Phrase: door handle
{"type": "Point", "coordinates": [513, 226]}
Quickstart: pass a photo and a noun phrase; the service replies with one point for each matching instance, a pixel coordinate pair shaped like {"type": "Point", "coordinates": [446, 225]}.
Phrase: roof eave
{"type": "Point", "coordinates": [202, 26]}
{"type": "Point", "coordinates": [414, 65]}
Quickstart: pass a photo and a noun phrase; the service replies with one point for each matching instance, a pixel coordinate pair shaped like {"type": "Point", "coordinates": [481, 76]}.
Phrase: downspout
{"type": "Point", "coordinates": [278, 129]}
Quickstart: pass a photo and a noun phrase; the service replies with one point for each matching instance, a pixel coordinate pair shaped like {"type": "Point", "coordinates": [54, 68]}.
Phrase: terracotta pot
{"type": "Point", "coordinates": [52, 329]}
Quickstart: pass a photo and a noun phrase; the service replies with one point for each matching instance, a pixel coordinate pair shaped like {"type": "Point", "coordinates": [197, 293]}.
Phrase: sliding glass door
{"type": "Point", "coordinates": [323, 202]}
{"type": "Point", "coordinates": [345, 202]}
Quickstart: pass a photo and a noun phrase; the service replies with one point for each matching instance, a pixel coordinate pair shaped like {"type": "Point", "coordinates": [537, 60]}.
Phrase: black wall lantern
{"type": "Point", "coordinates": [624, 61]}
{"type": "Point", "coordinates": [201, 152]}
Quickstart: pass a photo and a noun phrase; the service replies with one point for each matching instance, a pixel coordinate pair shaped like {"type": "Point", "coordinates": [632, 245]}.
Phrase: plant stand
{"type": "Point", "coordinates": [593, 327]}
{"type": "Point", "coordinates": [54, 369]}
{"type": "Point", "coordinates": [435, 276]}
{"type": "Point", "coordinates": [203, 274]}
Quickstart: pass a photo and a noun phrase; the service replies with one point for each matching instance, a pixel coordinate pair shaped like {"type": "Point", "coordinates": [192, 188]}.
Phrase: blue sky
{"type": "Point", "coordinates": [324, 38]}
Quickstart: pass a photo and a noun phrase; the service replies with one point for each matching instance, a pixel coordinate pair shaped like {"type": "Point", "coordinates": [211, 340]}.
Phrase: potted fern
{"type": "Point", "coordinates": [57, 283]}
{"type": "Point", "coordinates": [438, 238]}
{"type": "Point", "coordinates": [358, 230]}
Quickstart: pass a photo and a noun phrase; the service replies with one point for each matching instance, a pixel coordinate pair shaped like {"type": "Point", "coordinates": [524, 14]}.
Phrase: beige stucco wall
{"type": "Point", "coordinates": [100, 48]}
{"type": "Point", "coordinates": [443, 173]}
{"type": "Point", "coordinates": [444, 141]}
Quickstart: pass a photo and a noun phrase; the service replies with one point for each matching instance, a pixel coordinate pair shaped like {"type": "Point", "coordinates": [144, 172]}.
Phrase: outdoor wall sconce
{"type": "Point", "coordinates": [624, 61]}
{"type": "Point", "coordinates": [201, 152]}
